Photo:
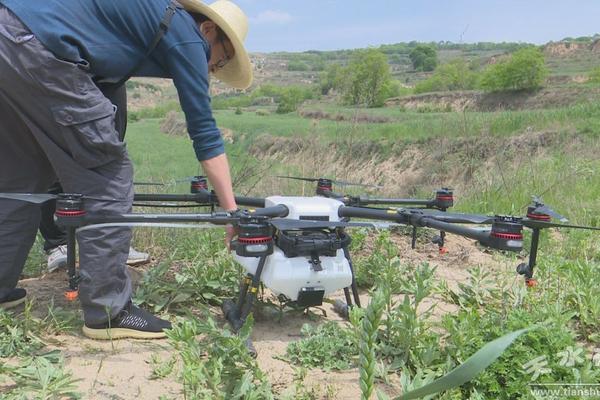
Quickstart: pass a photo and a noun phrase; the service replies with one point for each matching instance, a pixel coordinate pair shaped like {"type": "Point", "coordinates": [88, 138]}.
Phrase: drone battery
{"type": "Point", "coordinates": [296, 244]}
{"type": "Point", "coordinates": [310, 297]}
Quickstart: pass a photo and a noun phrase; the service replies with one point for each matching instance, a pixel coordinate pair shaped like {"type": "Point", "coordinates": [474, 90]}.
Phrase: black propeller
{"type": "Point", "coordinates": [536, 224]}
{"type": "Point", "coordinates": [539, 211]}
{"type": "Point", "coordinates": [335, 182]}
{"type": "Point", "coordinates": [39, 198]}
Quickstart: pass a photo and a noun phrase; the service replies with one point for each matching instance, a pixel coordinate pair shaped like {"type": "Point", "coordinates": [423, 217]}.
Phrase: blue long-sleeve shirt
{"type": "Point", "coordinates": [112, 36]}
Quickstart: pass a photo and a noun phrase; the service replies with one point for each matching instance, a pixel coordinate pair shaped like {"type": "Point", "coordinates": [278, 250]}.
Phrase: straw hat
{"type": "Point", "coordinates": [232, 20]}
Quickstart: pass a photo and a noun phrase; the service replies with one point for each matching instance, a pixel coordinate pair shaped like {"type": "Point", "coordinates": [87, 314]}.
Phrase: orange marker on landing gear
{"type": "Point", "coordinates": [71, 295]}
{"type": "Point", "coordinates": [531, 283]}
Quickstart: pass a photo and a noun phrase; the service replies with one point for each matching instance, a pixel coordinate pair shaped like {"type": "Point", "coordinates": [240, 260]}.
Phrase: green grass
{"type": "Point", "coordinates": [414, 126]}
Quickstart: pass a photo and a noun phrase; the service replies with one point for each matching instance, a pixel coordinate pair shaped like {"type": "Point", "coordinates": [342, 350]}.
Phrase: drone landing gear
{"type": "Point", "coordinates": [341, 308]}
{"type": "Point", "coordinates": [69, 214]}
{"type": "Point", "coordinates": [72, 292]}
{"type": "Point", "coordinates": [237, 312]}
{"type": "Point", "coordinates": [526, 269]}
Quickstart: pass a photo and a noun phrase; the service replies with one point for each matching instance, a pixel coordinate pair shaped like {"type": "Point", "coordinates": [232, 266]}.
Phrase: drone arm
{"type": "Point", "coordinates": [372, 213]}
{"type": "Point", "coordinates": [201, 197]}
{"type": "Point", "coordinates": [279, 210]}
{"type": "Point", "coordinates": [250, 201]}
{"type": "Point", "coordinates": [482, 236]}
{"type": "Point", "coordinates": [215, 218]}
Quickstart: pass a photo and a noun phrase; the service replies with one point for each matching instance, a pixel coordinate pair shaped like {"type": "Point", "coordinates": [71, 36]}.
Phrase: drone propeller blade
{"type": "Point", "coordinates": [35, 198]}
{"type": "Point", "coordinates": [535, 224]}
{"type": "Point", "coordinates": [548, 211]}
{"type": "Point", "coordinates": [298, 178]}
{"type": "Point", "coordinates": [344, 183]}
{"type": "Point", "coordinates": [340, 183]}
{"type": "Point", "coordinates": [186, 179]}
{"type": "Point", "coordinates": [148, 184]}
{"type": "Point", "coordinates": [539, 208]}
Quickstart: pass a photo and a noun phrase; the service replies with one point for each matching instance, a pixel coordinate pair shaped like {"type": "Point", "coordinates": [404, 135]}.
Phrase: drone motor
{"type": "Point", "coordinates": [198, 184]}
{"type": "Point", "coordinates": [506, 234]}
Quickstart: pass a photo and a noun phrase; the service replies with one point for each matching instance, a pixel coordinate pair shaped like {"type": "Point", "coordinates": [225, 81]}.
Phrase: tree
{"type": "Point", "coordinates": [423, 58]}
{"type": "Point", "coordinates": [525, 69]}
{"type": "Point", "coordinates": [367, 79]}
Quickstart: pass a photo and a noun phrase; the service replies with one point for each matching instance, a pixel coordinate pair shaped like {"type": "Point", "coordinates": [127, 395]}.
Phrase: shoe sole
{"type": "Point", "coordinates": [52, 268]}
{"type": "Point", "coordinates": [134, 262]}
{"type": "Point", "coordinates": [11, 304]}
{"type": "Point", "coordinates": [121, 333]}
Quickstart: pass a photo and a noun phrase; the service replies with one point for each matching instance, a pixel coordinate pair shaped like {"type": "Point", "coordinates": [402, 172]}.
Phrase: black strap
{"type": "Point", "coordinates": [163, 27]}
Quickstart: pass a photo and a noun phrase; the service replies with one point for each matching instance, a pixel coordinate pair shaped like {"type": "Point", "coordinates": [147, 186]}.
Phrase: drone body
{"type": "Point", "coordinates": [304, 266]}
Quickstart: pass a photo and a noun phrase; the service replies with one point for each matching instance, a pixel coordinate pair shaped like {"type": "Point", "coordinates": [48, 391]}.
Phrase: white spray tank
{"type": "Point", "coordinates": [292, 276]}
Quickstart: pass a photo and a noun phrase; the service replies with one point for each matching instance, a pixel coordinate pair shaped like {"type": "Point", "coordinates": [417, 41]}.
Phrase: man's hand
{"type": "Point", "coordinates": [230, 233]}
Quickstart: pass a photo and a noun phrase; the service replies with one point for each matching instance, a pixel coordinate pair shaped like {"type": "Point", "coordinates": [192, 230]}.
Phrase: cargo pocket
{"type": "Point", "coordinates": [89, 133]}
{"type": "Point", "coordinates": [16, 34]}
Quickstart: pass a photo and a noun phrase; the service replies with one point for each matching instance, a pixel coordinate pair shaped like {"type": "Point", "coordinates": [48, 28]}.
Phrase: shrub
{"type": "Point", "coordinates": [526, 69]}
{"type": "Point", "coordinates": [594, 75]}
{"type": "Point", "coordinates": [455, 75]}
{"type": "Point", "coordinates": [297, 66]}
{"type": "Point", "coordinates": [290, 100]}
{"type": "Point", "coordinates": [332, 78]}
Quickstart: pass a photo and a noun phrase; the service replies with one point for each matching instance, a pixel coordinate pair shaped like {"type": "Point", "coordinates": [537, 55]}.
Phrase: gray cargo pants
{"type": "Point", "coordinates": [55, 123]}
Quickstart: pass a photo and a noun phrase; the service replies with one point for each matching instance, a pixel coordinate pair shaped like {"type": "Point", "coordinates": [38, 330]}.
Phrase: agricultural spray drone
{"type": "Point", "coordinates": [298, 247]}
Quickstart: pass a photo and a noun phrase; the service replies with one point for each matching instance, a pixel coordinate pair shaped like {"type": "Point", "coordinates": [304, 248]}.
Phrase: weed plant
{"type": "Point", "coordinates": [327, 346]}
{"type": "Point", "coordinates": [42, 377]}
{"type": "Point", "coordinates": [22, 334]}
{"type": "Point", "coordinates": [216, 362]}
{"type": "Point", "coordinates": [205, 274]}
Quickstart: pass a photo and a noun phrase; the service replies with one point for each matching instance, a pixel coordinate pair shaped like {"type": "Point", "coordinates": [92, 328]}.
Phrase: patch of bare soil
{"type": "Point", "coordinates": [357, 118]}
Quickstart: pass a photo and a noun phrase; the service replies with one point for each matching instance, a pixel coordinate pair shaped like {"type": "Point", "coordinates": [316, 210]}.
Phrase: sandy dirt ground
{"type": "Point", "coordinates": [122, 369]}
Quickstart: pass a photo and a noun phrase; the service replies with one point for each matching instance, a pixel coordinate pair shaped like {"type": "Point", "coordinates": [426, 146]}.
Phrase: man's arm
{"type": "Point", "coordinates": [217, 171]}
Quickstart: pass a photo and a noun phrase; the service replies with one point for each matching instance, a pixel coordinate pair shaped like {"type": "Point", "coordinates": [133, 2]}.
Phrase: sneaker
{"type": "Point", "coordinates": [13, 299]}
{"type": "Point", "coordinates": [57, 258]}
{"type": "Point", "coordinates": [131, 322]}
{"type": "Point", "coordinates": [137, 257]}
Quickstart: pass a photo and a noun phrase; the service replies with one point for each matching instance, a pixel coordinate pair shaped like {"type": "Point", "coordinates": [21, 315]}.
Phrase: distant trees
{"type": "Point", "coordinates": [525, 69]}
{"type": "Point", "coordinates": [423, 58]}
{"type": "Point", "coordinates": [287, 98]}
